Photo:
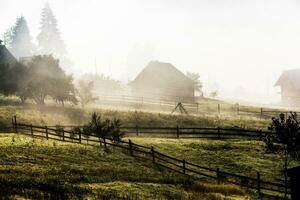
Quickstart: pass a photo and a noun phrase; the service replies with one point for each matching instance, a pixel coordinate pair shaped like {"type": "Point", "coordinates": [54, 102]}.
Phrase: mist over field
{"type": "Point", "coordinates": [239, 48]}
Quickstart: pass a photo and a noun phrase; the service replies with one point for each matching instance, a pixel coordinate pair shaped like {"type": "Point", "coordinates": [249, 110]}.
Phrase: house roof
{"type": "Point", "coordinates": [292, 76]}
{"type": "Point", "coordinates": [160, 72]}
{"type": "Point", "coordinates": [6, 56]}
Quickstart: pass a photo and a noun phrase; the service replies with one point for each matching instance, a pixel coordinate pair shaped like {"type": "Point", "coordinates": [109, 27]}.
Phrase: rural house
{"type": "Point", "coordinates": [289, 83]}
{"type": "Point", "coordinates": [5, 56]}
{"type": "Point", "coordinates": [164, 82]}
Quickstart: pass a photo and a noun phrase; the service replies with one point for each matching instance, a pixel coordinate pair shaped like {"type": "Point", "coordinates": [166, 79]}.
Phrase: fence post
{"type": "Point", "coordinates": [177, 131]}
{"type": "Point", "coordinates": [63, 134]}
{"type": "Point", "coordinates": [218, 175]}
{"type": "Point", "coordinates": [130, 147]}
{"type": "Point", "coordinates": [79, 134]}
{"type": "Point", "coordinates": [260, 134]}
{"type": "Point", "coordinates": [153, 154]}
{"type": "Point", "coordinates": [15, 122]}
{"type": "Point", "coordinates": [104, 140]}
{"type": "Point", "coordinates": [46, 128]}
{"type": "Point", "coordinates": [137, 130]}
{"type": "Point", "coordinates": [258, 183]}
{"type": "Point", "coordinates": [12, 124]}
{"type": "Point", "coordinates": [261, 113]}
{"type": "Point", "coordinates": [219, 132]}
{"type": "Point", "coordinates": [183, 165]}
{"type": "Point", "coordinates": [219, 109]}
{"type": "Point", "coordinates": [237, 109]}
{"type": "Point", "coordinates": [31, 130]}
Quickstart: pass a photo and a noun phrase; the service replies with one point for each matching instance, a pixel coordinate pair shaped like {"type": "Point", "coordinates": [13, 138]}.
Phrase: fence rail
{"type": "Point", "coordinates": [186, 132]}
{"type": "Point", "coordinates": [194, 106]}
{"type": "Point", "coordinates": [149, 153]}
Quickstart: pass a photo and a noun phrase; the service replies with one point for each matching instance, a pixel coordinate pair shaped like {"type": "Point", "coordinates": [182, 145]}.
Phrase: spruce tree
{"type": "Point", "coordinates": [49, 39]}
{"type": "Point", "coordinates": [18, 39]}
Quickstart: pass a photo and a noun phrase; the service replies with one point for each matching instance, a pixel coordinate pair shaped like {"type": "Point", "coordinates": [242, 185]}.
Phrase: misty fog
{"type": "Point", "coordinates": [239, 48]}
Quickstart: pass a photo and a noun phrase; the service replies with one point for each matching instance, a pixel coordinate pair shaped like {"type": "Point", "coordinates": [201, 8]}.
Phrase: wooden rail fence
{"type": "Point", "coordinates": [187, 132]}
{"type": "Point", "coordinates": [160, 159]}
{"type": "Point", "coordinates": [193, 106]}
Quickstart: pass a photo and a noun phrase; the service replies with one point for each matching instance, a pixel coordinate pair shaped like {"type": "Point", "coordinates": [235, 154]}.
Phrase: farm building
{"type": "Point", "coordinates": [289, 83]}
{"type": "Point", "coordinates": [163, 81]}
{"type": "Point", "coordinates": [5, 56]}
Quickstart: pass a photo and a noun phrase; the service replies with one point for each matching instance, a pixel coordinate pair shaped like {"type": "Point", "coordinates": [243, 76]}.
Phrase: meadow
{"type": "Point", "coordinates": [40, 169]}
{"type": "Point", "coordinates": [51, 170]}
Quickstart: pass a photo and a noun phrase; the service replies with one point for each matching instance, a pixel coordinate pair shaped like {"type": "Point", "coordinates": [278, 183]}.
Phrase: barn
{"type": "Point", "coordinates": [289, 83]}
{"type": "Point", "coordinates": [163, 81]}
{"type": "Point", "coordinates": [5, 56]}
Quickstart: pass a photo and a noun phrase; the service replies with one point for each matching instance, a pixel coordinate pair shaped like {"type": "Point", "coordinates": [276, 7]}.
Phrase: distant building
{"type": "Point", "coordinates": [163, 81]}
{"type": "Point", "coordinates": [5, 56]}
{"type": "Point", "coordinates": [289, 83]}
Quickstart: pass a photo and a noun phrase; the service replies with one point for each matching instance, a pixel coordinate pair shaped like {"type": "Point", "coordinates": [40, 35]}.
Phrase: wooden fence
{"type": "Point", "coordinates": [264, 112]}
{"type": "Point", "coordinates": [193, 106]}
{"type": "Point", "coordinates": [160, 159]}
{"type": "Point", "coordinates": [186, 132]}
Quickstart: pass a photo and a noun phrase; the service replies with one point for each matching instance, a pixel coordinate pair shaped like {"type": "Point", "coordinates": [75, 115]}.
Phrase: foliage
{"type": "Point", "coordinates": [11, 77]}
{"type": "Point", "coordinates": [197, 82]}
{"type": "Point", "coordinates": [18, 39]}
{"type": "Point", "coordinates": [85, 92]}
{"type": "Point", "coordinates": [46, 78]}
{"type": "Point", "coordinates": [287, 133]}
{"type": "Point", "coordinates": [49, 39]}
{"type": "Point", "coordinates": [103, 84]}
{"type": "Point", "coordinates": [104, 128]}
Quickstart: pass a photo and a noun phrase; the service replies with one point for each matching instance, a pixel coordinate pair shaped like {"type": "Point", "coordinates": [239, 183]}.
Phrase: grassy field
{"type": "Point", "coordinates": [46, 168]}
{"type": "Point", "coordinates": [239, 156]}
{"type": "Point", "coordinates": [53, 114]}
{"type": "Point", "coordinates": [41, 169]}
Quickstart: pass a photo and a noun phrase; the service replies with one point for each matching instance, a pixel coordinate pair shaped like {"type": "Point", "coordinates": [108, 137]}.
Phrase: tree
{"type": "Point", "coordinates": [287, 134]}
{"type": "Point", "coordinates": [286, 139]}
{"type": "Point", "coordinates": [197, 83]}
{"type": "Point", "coordinates": [49, 39]}
{"type": "Point", "coordinates": [85, 92]}
{"type": "Point", "coordinates": [63, 90]}
{"type": "Point", "coordinates": [10, 78]}
{"type": "Point", "coordinates": [46, 78]}
{"type": "Point", "coordinates": [103, 84]}
{"type": "Point", "coordinates": [18, 39]}
{"type": "Point", "coordinates": [104, 128]}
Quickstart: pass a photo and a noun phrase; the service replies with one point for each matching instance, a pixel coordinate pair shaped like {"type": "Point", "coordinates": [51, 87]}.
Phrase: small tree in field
{"type": "Point", "coordinates": [85, 92]}
{"type": "Point", "coordinates": [286, 139]}
{"type": "Point", "coordinates": [104, 128]}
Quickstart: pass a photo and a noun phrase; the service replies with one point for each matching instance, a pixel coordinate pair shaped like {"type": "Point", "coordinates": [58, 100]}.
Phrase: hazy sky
{"type": "Point", "coordinates": [232, 44]}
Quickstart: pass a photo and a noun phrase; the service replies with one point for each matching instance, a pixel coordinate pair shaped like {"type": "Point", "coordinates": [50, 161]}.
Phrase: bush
{"type": "Point", "coordinates": [104, 128]}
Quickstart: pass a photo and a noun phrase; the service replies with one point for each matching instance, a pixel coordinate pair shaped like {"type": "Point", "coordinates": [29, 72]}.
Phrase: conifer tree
{"type": "Point", "coordinates": [18, 39]}
{"type": "Point", "coordinates": [49, 39]}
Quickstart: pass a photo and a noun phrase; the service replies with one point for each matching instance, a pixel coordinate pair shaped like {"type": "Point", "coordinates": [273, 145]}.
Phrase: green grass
{"type": "Point", "coordinates": [41, 169]}
{"type": "Point", "coordinates": [233, 155]}
{"type": "Point", "coordinates": [74, 115]}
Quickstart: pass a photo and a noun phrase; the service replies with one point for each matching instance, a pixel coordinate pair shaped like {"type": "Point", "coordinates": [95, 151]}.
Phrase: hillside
{"type": "Point", "coordinates": [52, 114]}
{"type": "Point", "coordinates": [41, 169]}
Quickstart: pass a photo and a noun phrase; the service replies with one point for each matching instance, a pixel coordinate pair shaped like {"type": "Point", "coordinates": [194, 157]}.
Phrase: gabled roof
{"type": "Point", "coordinates": [159, 71]}
{"type": "Point", "coordinates": [292, 76]}
{"type": "Point", "coordinates": [5, 56]}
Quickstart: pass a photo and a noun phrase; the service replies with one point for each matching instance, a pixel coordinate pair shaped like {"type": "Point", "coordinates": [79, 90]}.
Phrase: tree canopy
{"type": "Point", "coordinates": [18, 39]}
{"type": "Point", "coordinates": [197, 82]}
{"type": "Point", "coordinates": [49, 39]}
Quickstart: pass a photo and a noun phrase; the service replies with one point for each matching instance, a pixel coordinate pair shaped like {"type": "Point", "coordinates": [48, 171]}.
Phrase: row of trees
{"type": "Point", "coordinates": [41, 77]}
{"type": "Point", "coordinates": [19, 41]}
